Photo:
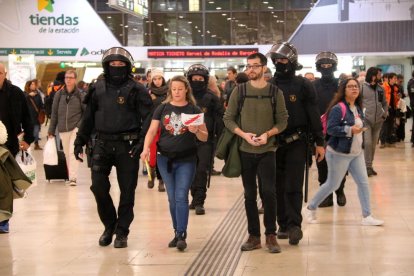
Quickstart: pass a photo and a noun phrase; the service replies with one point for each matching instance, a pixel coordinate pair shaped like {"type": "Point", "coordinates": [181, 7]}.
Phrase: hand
{"type": "Point", "coordinates": [193, 129]}
{"type": "Point", "coordinates": [319, 153]}
{"type": "Point", "coordinates": [135, 150]}
{"type": "Point", "coordinates": [356, 130]}
{"type": "Point", "coordinates": [262, 139]}
{"type": "Point", "coordinates": [251, 139]}
{"type": "Point", "coordinates": [78, 151]}
{"type": "Point", "coordinates": [23, 145]}
{"type": "Point", "coordinates": [145, 154]}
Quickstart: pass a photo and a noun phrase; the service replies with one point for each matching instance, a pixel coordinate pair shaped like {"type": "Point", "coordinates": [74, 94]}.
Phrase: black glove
{"type": "Point", "coordinates": [78, 151]}
{"type": "Point", "coordinates": [135, 150]}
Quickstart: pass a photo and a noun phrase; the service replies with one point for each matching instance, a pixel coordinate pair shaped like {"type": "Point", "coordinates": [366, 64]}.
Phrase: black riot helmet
{"type": "Point", "coordinates": [326, 58]}
{"type": "Point", "coordinates": [117, 53]}
{"type": "Point", "coordinates": [284, 50]}
{"type": "Point", "coordinates": [198, 69]}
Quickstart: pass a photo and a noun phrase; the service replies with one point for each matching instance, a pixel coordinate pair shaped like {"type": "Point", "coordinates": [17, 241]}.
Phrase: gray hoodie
{"type": "Point", "coordinates": [374, 104]}
{"type": "Point", "coordinates": [67, 110]}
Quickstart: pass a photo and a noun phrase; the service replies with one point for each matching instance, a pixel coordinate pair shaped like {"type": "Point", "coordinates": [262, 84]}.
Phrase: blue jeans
{"type": "Point", "coordinates": [338, 164]}
{"type": "Point", "coordinates": [177, 183]}
{"type": "Point", "coordinates": [36, 131]}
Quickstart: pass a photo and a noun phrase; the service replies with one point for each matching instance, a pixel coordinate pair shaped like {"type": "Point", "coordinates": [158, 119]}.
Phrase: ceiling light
{"type": "Point", "coordinates": [170, 9]}
{"type": "Point", "coordinates": [109, 16]}
{"type": "Point", "coordinates": [189, 22]}
{"type": "Point", "coordinates": [218, 8]}
{"type": "Point", "coordinates": [211, 2]}
{"type": "Point", "coordinates": [224, 14]}
{"type": "Point", "coordinates": [181, 16]}
{"type": "Point", "coordinates": [270, 8]}
{"type": "Point", "coordinates": [126, 26]}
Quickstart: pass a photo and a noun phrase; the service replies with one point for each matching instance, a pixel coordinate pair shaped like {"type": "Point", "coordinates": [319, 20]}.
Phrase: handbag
{"type": "Point", "coordinates": [228, 150]}
{"type": "Point", "coordinates": [41, 114]}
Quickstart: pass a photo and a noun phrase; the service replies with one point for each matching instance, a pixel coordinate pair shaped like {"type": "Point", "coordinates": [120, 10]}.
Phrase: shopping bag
{"type": "Point", "coordinates": [50, 156]}
{"type": "Point", "coordinates": [28, 165]}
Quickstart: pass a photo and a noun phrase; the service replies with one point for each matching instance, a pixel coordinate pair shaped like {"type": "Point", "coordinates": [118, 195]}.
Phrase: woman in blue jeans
{"type": "Point", "coordinates": [177, 151]}
{"type": "Point", "coordinates": [344, 151]}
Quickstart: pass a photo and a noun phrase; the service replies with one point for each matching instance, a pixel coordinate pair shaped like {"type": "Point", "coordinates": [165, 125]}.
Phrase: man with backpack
{"type": "Point", "coordinates": [252, 118]}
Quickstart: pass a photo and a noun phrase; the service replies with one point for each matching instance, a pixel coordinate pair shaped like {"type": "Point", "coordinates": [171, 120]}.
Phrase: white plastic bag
{"type": "Point", "coordinates": [50, 156]}
{"type": "Point", "coordinates": [27, 163]}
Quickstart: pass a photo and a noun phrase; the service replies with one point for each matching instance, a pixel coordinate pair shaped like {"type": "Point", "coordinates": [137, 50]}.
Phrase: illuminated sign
{"type": "Point", "coordinates": [203, 53]}
{"type": "Point", "coordinates": [134, 7]}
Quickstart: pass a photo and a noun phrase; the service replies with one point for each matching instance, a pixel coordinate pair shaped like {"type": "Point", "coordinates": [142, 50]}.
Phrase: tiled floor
{"type": "Point", "coordinates": [55, 230]}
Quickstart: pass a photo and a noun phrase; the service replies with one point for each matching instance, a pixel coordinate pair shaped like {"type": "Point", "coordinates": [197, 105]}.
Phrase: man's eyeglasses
{"type": "Point", "coordinates": [352, 86]}
{"type": "Point", "coordinates": [70, 78]}
{"type": "Point", "coordinates": [255, 66]}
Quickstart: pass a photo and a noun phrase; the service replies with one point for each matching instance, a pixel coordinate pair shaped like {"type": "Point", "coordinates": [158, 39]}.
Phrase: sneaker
{"type": "Point", "coordinates": [282, 233]}
{"type": "Point", "coordinates": [295, 235]}
{"type": "Point", "coordinates": [271, 244]}
{"type": "Point", "coordinates": [252, 243]}
{"type": "Point", "coordinates": [4, 227]}
{"type": "Point", "coordinates": [72, 182]}
{"type": "Point", "coordinates": [371, 221]}
{"type": "Point", "coordinates": [199, 210]}
{"type": "Point", "coordinates": [310, 215]}
{"type": "Point", "coordinates": [121, 241]}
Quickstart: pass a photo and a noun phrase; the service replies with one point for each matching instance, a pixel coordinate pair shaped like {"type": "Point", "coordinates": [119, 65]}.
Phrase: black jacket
{"type": "Point", "coordinates": [20, 118]}
{"type": "Point", "coordinates": [302, 105]}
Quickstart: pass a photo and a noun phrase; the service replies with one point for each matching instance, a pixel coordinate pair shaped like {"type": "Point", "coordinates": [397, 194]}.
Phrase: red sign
{"type": "Point", "coordinates": [202, 53]}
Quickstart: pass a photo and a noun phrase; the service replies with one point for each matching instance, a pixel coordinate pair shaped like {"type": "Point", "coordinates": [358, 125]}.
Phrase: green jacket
{"type": "Point", "coordinates": [13, 183]}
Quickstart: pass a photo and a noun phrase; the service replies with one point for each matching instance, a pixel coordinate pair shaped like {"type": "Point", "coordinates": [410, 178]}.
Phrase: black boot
{"type": "Point", "coordinates": [340, 197]}
{"type": "Point", "coordinates": [327, 202]}
{"type": "Point", "coordinates": [181, 244]}
{"type": "Point", "coordinates": [106, 237]}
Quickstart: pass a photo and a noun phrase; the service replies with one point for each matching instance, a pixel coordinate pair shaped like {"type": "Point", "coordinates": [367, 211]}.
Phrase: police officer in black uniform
{"type": "Point", "coordinates": [326, 87]}
{"type": "Point", "coordinates": [119, 110]}
{"type": "Point", "coordinates": [209, 103]}
{"type": "Point", "coordinates": [304, 122]}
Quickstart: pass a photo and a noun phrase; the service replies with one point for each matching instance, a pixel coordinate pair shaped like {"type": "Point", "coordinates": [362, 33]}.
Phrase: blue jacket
{"type": "Point", "coordinates": [340, 130]}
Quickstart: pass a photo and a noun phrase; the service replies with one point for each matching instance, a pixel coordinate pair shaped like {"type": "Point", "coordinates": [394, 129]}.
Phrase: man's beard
{"type": "Point", "coordinates": [256, 76]}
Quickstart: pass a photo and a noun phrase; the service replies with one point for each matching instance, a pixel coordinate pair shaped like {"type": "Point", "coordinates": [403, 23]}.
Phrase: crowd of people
{"type": "Point", "coordinates": [154, 122]}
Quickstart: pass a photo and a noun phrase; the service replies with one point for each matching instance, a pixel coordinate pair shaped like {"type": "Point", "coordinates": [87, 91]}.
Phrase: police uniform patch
{"type": "Point", "coordinates": [292, 98]}
{"type": "Point", "coordinates": [120, 100]}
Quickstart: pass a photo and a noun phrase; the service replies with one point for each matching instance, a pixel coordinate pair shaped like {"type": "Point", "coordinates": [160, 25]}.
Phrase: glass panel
{"type": "Point", "coordinates": [293, 20]}
{"type": "Point", "coordinates": [244, 5]}
{"type": "Point", "coordinates": [163, 29]}
{"type": "Point", "coordinates": [271, 25]}
{"type": "Point", "coordinates": [271, 5]}
{"type": "Point", "coordinates": [92, 2]}
{"type": "Point", "coordinates": [189, 5]}
{"type": "Point", "coordinates": [102, 5]}
{"type": "Point", "coordinates": [114, 23]}
{"type": "Point", "coordinates": [217, 29]}
{"type": "Point", "coordinates": [135, 31]}
{"type": "Point", "coordinates": [190, 29]}
{"type": "Point", "coordinates": [163, 5]}
{"type": "Point", "coordinates": [244, 28]}
{"type": "Point", "coordinates": [217, 5]}
{"type": "Point", "coordinates": [299, 4]}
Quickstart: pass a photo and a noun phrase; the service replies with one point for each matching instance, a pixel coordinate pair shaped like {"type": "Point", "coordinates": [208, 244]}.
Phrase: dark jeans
{"type": "Point", "coordinates": [199, 185]}
{"type": "Point", "coordinates": [264, 166]}
{"type": "Point", "coordinates": [290, 168]}
{"type": "Point", "coordinates": [387, 130]}
{"type": "Point", "coordinates": [323, 175]}
{"type": "Point", "coordinates": [105, 155]}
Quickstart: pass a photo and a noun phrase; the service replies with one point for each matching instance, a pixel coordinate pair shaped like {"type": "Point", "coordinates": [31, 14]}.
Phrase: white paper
{"type": "Point", "coordinates": [192, 119]}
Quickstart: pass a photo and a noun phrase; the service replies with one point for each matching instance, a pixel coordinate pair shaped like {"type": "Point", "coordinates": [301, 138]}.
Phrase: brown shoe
{"type": "Point", "coordinates": [251, 244]}
{"type": "Point", "coordinates": [271, 244]}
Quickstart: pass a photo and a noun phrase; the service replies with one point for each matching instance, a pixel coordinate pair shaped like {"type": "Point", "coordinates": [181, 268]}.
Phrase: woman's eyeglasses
{"type": "Point", "coordinates": [352, 86]}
